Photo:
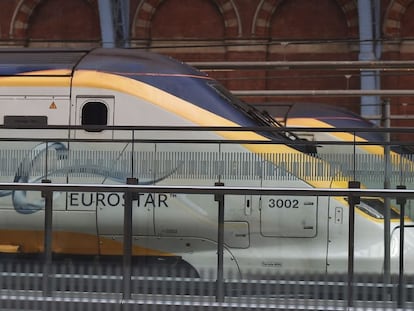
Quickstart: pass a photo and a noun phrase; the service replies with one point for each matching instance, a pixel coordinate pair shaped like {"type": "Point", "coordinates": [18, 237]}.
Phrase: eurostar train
{"type": "Point", "coordinates": [89, 91]}
{"type": "Point", "coordinates": [328, 116]}
{"type": "Point", "coordinates": [365, 138]}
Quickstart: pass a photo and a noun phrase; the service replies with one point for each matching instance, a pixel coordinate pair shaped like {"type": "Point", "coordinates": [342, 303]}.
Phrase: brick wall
{"type": "Point", "coordinates": [232, 30]}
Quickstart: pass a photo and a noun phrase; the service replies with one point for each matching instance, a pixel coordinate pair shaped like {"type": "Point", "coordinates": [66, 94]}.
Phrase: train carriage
{"type": "Point", "coordinates": [91, 93]}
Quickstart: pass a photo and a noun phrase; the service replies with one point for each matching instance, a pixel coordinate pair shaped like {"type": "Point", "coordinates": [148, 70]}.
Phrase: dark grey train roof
{"type": "Point", "coordinates": [120, 61]}
{"type": "Point", "coordinates": [20, 61]}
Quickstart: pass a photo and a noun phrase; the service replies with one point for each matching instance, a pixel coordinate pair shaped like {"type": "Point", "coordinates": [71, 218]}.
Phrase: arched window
{"type": "Point", "coordinates": [94, 114]}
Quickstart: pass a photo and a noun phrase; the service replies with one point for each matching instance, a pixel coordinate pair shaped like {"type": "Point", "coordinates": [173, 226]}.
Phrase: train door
{"type": "Point", "coordinates": [85, 161]}
{"type": "Point", "coordinates": [103, 160]}
{"type": "Point", "coordinates": [299, 240]}
{"type": "Point", "coordinates": [88, 154]}
{"type": "Point", "coordinates": [293, 224]}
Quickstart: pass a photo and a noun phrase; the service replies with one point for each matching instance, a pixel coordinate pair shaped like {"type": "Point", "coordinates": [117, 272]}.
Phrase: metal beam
{"type": "Point", "coordinates": [348, 93]}
{"type": "Point", "coordinates": [107, 23]}
{"type": "Point", "coordinates": [315, 65]}
{"type": "Point", "coordinates": [369, 104]}
{"type": "Point", "coordinates": [121, 22]}
{"type": "Point", "coordinates": [114, 20]}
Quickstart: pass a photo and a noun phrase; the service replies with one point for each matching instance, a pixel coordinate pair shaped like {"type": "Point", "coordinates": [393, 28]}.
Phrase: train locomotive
{"type": "Point", "coordinates": [88, 92]}
{"type": "Point", "coordinates": [363, 140]}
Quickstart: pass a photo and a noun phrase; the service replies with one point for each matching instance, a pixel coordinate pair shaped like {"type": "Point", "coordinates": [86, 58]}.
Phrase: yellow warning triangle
{"type": "Point", "coordinates": [52, 106]}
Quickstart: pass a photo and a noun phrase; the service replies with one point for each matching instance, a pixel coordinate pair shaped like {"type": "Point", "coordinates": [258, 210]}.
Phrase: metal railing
{"type": "Point", "coordinates": [53, 284]}
{"type": "Point", "coordinates": [346, 287]}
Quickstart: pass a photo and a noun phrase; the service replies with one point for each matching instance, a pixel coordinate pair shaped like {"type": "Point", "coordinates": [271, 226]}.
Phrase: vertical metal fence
{"type": "Point", "coordinates": [47, 283]}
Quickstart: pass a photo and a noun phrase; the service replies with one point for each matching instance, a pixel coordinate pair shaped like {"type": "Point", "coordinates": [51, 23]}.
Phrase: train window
{"type": "Point", "coordinates": [375, 208]}
{"type": "Point", "coordinates": [94, 114]}
{"type": "Point", "coordinates": [262, 118]}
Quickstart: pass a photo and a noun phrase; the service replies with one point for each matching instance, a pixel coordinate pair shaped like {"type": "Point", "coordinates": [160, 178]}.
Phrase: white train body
{"type": "Point", "coordinates": [119, 87]}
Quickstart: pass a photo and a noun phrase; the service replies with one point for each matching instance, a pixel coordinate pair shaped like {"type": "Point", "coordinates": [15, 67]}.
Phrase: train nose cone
{"type": "Point", "coordinates": [408, 264]}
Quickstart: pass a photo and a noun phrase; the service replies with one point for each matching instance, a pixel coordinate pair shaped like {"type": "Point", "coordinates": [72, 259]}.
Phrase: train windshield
{"type": "Point", "coordinates": [261, 118]}
{"type": "Point", "coordinates": [374, 207]}
{"type": "Point", "coordinates": [250, 111]}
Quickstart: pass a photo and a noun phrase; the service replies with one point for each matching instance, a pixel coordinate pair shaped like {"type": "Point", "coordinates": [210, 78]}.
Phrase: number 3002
{"type": "Point", "coordinates": [283, 203]}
